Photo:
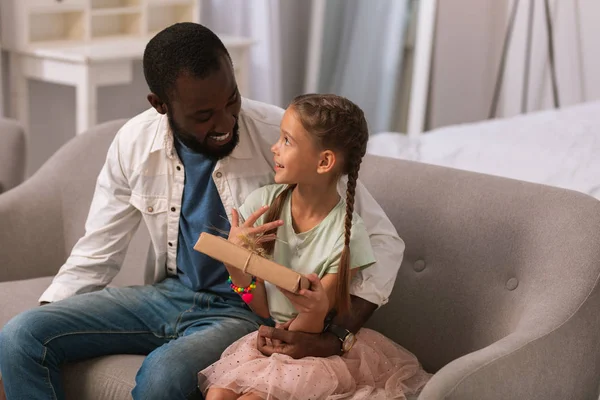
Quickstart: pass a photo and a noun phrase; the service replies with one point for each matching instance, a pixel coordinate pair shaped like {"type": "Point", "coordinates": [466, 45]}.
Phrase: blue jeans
{"type": "Point", "coordinates": [180, 330]}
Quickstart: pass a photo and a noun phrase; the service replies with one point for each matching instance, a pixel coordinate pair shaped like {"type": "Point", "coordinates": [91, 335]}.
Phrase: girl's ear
{"type": "Point", "coordinates": [327, 161]}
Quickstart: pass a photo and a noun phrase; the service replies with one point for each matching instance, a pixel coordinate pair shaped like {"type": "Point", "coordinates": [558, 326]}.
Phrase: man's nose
{"type": "Point", "coordinates": [224, 122]}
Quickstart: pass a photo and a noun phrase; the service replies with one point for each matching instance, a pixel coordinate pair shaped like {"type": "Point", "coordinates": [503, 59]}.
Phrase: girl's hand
{"type": "Point", "coordinates": [310, 301]}
{"type": "Point", "coordinates": [284, 326]}
{"type": "Point", "coordinates": [247, 233]}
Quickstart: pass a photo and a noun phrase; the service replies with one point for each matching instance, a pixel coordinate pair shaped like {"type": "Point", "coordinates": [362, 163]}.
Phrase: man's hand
{"type": "Point", "coordinates": [300, 344]}
{"type": "Point", "coordinates": [297, 344]}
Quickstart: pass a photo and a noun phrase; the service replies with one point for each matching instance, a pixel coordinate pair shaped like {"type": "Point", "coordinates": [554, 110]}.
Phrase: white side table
{"type": "Point", "coordinates": [90, 66]}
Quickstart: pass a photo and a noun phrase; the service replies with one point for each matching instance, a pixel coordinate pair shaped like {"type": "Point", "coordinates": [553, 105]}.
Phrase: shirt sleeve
{"type": "Point", "coordinates": [252, 203]}
{"type": "Point", "coordinates": [263, 196]}
{"type": "Point", "coordinates": [361, 253]}
{"type": "Point", "coordinates": [97, 257]}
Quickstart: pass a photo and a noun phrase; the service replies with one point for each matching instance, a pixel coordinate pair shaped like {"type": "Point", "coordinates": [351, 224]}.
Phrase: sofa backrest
{"type": "Point", "coordinates": [68, 179]}
{"type": "Point", "coordinates": [485, 256]}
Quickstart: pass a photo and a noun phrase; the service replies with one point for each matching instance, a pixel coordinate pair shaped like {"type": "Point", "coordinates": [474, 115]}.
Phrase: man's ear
{"type": "Point", "coordinates": [327, 162]}
{"type": "Point", "coordinates": [157, 103]}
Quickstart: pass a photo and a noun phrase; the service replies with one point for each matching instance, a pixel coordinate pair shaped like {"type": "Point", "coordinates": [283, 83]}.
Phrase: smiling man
{"type": "Point", "coordinates": [181, 166]}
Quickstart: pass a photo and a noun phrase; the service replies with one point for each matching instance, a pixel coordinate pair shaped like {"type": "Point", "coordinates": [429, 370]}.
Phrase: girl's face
{"type": "Point", "coordinates": [296, 155]}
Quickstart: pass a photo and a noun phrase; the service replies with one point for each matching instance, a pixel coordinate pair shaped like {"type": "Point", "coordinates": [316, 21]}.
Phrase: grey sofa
{"type": "Point", "coordinates": [12, 154]}
{"type": "Point", "coordinates": [498, 292]}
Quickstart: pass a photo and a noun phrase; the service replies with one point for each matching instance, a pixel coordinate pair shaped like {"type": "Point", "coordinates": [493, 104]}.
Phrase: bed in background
{"type": "Point", "coordinates": [555, 147]}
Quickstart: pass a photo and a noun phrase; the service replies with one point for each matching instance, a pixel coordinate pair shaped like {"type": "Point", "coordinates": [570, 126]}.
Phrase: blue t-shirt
{"type": "Point", "coordinates": [201, 211]}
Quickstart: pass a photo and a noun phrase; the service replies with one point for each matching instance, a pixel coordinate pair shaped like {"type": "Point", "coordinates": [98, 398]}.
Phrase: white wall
{"type": "Point", "coordinates": [467, 47]}
{"type": "Point", "coordinates": [469, 37]}
{"type": "Point", "coordinates": [576, 31]}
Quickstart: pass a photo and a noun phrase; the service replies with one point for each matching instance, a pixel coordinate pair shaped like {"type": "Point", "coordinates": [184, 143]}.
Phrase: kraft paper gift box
{"type": "Point", "coordinates": [252, 263]}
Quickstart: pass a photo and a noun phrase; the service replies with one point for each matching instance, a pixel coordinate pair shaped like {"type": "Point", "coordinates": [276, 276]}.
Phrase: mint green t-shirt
{"type": "Point", "coordinates": [315, 251]}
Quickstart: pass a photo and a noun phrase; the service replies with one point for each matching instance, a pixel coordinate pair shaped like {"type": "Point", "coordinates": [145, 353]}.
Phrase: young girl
{"type": "Point", "coordinates": [322, 138]}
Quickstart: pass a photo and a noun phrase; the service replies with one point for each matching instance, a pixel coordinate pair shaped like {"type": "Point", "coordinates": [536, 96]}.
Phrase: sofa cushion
{"type": "Point", "coordinates": [110, 377]}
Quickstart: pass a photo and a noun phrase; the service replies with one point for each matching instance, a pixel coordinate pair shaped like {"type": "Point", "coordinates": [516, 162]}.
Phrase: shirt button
{"type": "Point", "coordinates": [150, 209]}
{"type": "Point", "coordinates": [173, 209]}
{"type": "Point", "coordinates": [170, 244]}
{"type": "Point", "coordinates": [219, 174]}
{"type": "Point", "coordinates": [178, 168]}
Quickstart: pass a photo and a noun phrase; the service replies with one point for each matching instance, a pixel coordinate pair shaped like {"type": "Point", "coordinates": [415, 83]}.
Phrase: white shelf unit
{"type": "Point", "coordinates": [115, 25]}
{"type": "Point", "coordinates": [160, 15]}
{"type": "Point", "coordinates": [51, 26]}
{"type": "Point", "coordinates": [38, 23]}
{"type": "Point", "coordinates": [89, 44]}
{"type": "Point", "coordinates": [114, 4]}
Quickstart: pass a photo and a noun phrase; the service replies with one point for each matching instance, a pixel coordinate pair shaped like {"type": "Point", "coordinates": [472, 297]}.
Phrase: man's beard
{"type": "Point", "coordinates": [196, 146]}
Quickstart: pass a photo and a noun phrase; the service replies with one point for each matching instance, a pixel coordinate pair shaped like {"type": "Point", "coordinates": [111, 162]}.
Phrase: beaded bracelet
{"type": "Point", "coordinates": [244, 292]}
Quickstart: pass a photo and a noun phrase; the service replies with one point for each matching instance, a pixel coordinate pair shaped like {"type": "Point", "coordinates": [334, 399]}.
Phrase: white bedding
{"type": "Point", "coordinates": [556, 147]}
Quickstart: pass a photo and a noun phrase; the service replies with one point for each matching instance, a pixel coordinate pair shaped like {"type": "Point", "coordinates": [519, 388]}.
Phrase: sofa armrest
{"type": "Point", "coordinates": [523, 364]}
{"type": "Point", "coordinates": [12, 154]}
{"type": "Point", "coordinates": [31, 237]}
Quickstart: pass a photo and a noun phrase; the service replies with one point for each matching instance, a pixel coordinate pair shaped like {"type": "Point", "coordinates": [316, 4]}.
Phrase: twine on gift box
{"type": "Point", "coordinates": [247, 262]}
{"type": "Point", "coordinates": [250, 242]}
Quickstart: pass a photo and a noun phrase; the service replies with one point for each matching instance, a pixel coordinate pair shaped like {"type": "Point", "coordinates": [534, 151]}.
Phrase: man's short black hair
{"type": "Point", "coordinates": [183, 47]}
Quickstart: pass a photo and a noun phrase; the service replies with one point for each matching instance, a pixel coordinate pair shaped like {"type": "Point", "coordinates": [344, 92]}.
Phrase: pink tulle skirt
{"type": "Point", "coordinates": [375, 368]}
